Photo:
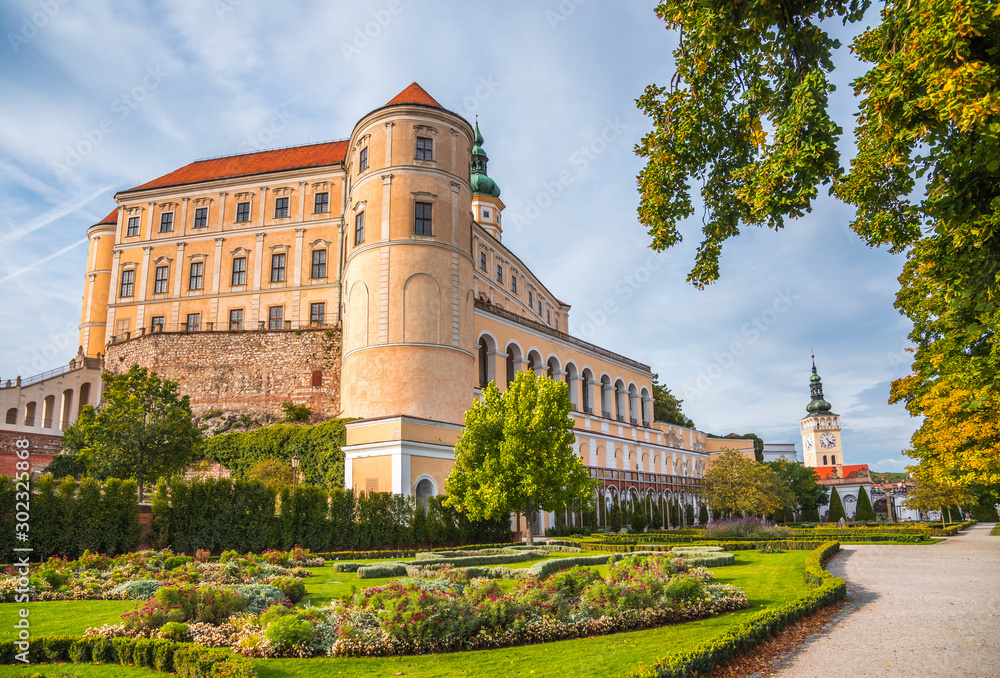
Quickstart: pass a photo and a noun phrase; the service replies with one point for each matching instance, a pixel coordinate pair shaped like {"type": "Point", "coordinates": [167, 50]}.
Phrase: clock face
{"type": "Point", "coordinates": [807, 443]}
{"type": "Point", "coordinates": [828, 440]}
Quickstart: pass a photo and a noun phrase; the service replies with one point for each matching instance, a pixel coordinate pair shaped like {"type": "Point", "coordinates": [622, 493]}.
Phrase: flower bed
{"type": "Point", "coordinates": [451, 613]}
{"type": "Point", "coordinates": [137, 576]}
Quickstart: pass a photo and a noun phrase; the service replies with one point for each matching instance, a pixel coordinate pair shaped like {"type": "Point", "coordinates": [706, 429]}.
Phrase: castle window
{"type": "Point", "coordinates": [157, 324]}
{"type": "Point", "coordinates": [548, 316]}
{"type": "Point", "coordinates": [499, 274]}
{"type": "Point", "coordinates": [317, 313]}
{"type": "Point", "coordinates": [531, 299]}
{"type": "Point", "coordinates": [239, 271]}
{"type": "Point", "coordinates": [321, 203]}
{"type": "Point", "coordinates": [422, 219]}
{"type": "Point", "coordinates": [318, 264]}
{"type": "Point", "coordinates": [482, 260]}
{"type": "Point", "coordinates": [486, 214]}
{"type": "Point", "coordinates": [235, 319]}
{"type": "Point", "coordinates": [132, 229]}
{"type": "Point", "coordinates": [824, 460]}
{"type": "Point", "coordinates": [193, 322]}
{"type": "Point", "coordinates": [425, 148]}
{"type": "Point", "coordinates": [317, 380]}
{"type": "Point", "coordinates": [513, 284]}
{"type": "Point", "coordinates": [197, 275]}
{"type": "Point", "coordinates": [12, 415]}
{"type": "Point", "coordinates": [166, 222]}
{"type": "Point", "coordinates": [278, 267]}
{"type": "Point", "coordinates": [833, 460]}
{"type": "Point", "coordinates": [201, 217]}
{"type": "Point", "coordinates": [128, 282]}
{"type": "Point", "coordinates": [363, 159]}
{"type": "Point", "coordinates": [539, 307]}
{"type": "Point", "coordinates": [162, 275]}
{"type": "Point", "coordinates": [121, 329]}
{"type": "Point", "coordinates": [242, 211]}
{"type": "Point", "coordinates": [359, 228]}
{"type": "Point", "coordinates": [280, 208]}
{"type": "Point", "coordinates": [274, 317]}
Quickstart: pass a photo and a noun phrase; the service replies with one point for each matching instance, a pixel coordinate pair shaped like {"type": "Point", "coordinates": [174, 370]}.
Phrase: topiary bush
{"type": "Point", "coordinates": [292, 587]}
{"type": "Point", "coordinates": [382, 571]}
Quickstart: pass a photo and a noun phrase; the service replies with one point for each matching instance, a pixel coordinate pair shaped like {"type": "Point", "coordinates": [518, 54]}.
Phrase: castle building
{"type": "Point", "coordinates": [823, 450]}
{"type": "Point", "coordinates": [366, 278]}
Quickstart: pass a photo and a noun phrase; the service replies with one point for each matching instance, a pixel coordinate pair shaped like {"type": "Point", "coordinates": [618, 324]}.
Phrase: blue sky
{"type": "Point", "coordinates": [101, 96]}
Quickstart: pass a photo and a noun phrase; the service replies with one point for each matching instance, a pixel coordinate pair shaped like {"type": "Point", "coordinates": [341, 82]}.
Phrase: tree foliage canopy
{"type": "Point", "coordinates": [143, 430]}
{"type": "Point", "coordinates": [801, 480]}
{"type": "Point", "coordinates": [745, 119]}
{"type": "Point", "coordinates": [734, 484]}
{"type": "Point", "coordinates": [516, 453]}
{"type": "Point", "coordinates": [667, 406]}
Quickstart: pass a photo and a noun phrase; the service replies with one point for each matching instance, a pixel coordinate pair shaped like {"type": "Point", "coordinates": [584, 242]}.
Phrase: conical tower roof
{"type": "Point", "coordinates": [481, 182]}
{"type": "Point", "coordinates": [818, 406]}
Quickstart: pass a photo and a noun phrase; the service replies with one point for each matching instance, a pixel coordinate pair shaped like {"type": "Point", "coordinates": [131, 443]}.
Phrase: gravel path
{"type": "Point", "coordinates": [911, 611]}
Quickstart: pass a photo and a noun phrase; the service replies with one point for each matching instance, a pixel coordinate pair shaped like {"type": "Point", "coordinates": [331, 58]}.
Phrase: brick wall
{"type": "Point", "coordinates": [43, 448]}
{"type": "Point", "coordinates": [253, 371]}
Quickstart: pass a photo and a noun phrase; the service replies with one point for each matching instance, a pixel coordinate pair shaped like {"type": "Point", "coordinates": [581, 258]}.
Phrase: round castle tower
{"type": "Point", "coordinates": [408, 265]}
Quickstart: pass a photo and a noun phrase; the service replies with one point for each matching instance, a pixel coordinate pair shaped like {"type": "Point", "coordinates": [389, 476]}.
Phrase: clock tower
{"type": "Point", "coordinates": [820, 429]}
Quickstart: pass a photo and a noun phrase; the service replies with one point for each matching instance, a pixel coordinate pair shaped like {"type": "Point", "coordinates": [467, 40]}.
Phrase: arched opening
{"type": "Point", "coordinates": [12, 415]}
{"type": "Point", "coordinates": [425, 490]}
{"type": "Point", "coordinates": [535, 363]}
{"type": "Point", "coordinates": [587, 386]}
{"type": "Point", "coordinates": [29, 414]}
{"type": "Point", "coordinates": [48, 411]}
{"type": "Point", "coordinates": [514, 361]}
{"type": "Point", "coordinates": [84, 396]}
{"type": "Point", "coordinates": [620, 400]}
{"type": "Point", "coordinates": [633, 404]}
{"type": "Point", "coordinates": [833, 460]}
{"type": "Point", "coordinates": [552, 367]}
{"type": "Point", "coordinates": [606, 397]}
{"type": "Point", "coordinates": [647, 407]}
{"type": "Point", "coordinates": [645, 462]}
{"type": "Point", "coordinates": [602, 460]}
{"type": "Point", "coordinates": [66, 417]}
{"type": "Point", "coordinates": [824, 460]}
{"type": "Point", "coordinates": [572, 379]}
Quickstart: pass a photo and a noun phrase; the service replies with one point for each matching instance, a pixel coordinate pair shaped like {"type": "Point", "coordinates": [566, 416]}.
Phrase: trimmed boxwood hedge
{"type": "Point", "coordinates": [184, 659]}
{"type": "Point", "coordinates": [756, 628]}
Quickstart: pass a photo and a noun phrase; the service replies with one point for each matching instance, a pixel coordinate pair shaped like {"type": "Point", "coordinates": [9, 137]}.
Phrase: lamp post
{"type": "Point", "coordinates": [295, 470]}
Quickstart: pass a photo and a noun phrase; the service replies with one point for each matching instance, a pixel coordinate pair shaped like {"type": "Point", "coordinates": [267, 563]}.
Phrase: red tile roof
{"type": "Point", "coordinates": [847, 471]}
{"type": "Point", "coordinates": [248, 164]}
{"type": "Point", "coordinates": [111, 218]}
{"type": "Point", "coordinates": [414, 94]}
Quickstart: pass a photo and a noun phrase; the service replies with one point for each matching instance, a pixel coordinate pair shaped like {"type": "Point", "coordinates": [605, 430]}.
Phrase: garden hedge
{"type": "Point", "coordinates": [184, 659]}
{"type": "Point", "coordinates": [756, 628]}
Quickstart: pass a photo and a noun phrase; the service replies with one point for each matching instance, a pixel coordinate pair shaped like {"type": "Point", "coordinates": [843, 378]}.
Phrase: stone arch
{"type": "Point", "coordinates": [619, 458]}
{"type": "Point", "coordinates": [585, 454]}
{"type": "Point", "coordinates": [485, 359]}
{"type": "Point", "coordinates": [633, 403]}
{"type": "Point", "coordinates": [30, 413]}
{"type": "Point", "coordinates": [602, 458]}
{"type": "Point", "coordinates": [645, 462]}
{"type": "Point", "coordinates": [535, 363]}
{"type": "Point", "coordinates": [421, 309]}
{"type": "Point", "coordinates": [48, 411]}
{"type": "Point", "coordinates": [514, 360]}
{"type": "Point", "coordinates": [424, 488]}
{"type": "Point", "coordinates": [12, 416]}
{"type": "Point", "coordinates": [66, 411]}
{"type": "Point", "coordinates": [572, 379]}
{"type": "Point", "coordinates": [607, 399]}
{"type": "Point", "coordinates": [620, 406]}
{"type": "Point", "coordinates": [587, 390]}
{"type": "Point", "coordinates": [553, 366]}
{"type": "Point", "coordinates": [357, 316]}
{"type": "Point", "coordinates": [657, 464]}
{"type": "Point", "coordinates": [646, 406]}
{"type": "Point", "coordinates": [84, 398]}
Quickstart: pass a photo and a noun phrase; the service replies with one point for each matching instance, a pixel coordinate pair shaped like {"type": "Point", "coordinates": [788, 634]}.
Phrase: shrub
{"type": "Point", "coordinates": [864, 510]}
{"type": "Point", "coordinates": [175, 631]}
{"type": "Point", "coordinates": [292, 587]}
{"type": "Point", "coordinates": [770, 547]}
{"type": "Point", "coordinates": [261, 596]}
{"type": "Point", "coordinates": [746, 528]}
{"type": "Point", "coordinates": [289, 631]}
{"type": "Point", "coordinates": [138, 589]}
{"type": "Point", "coordinates": [836, 512]}
{"type": "Point", "coordinates": [206, 603]}
{"type": "Point", "coordinates": [382, 571]}
{"type": "Point", "coordinates": [346, 567]}
{"type": "Point", "coordinates": [293, 412]}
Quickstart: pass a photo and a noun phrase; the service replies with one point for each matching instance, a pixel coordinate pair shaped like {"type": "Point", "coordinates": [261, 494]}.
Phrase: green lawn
{"type": "Point", "coordinates": [767, 579]}
{"type": "Point", "coordinates": [64, 617]}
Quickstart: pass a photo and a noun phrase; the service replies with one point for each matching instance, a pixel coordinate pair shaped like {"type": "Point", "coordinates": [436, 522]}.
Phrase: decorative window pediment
{"type": "Point", "coordinates": [198, 257]}
{"type": "Point", "coordinates": [164, 260]}
{"type": "Point", "coordinates": [282, 190]}
{"type": "Point", "coordinates": [424, 196]}
{"type": "Point", "coordinates": [167, 205]}
{"type": "Point", "coordinates": [202, 201]}
{"type": "Point", "coordinates": [279, 248]}
{"type": "Point", "coordinates": [363, 141]}
{"type": "Point", "coordinates": [245, 195]}
{"type": "Point", "coordinates": [319, 244]}
{"type": "Point", "coordinates": [240, 252]}
{"type": "Point", "coordinates": [425, 130]}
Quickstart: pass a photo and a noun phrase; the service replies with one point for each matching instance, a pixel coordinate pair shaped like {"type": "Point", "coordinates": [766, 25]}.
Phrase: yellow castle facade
{"type": "Point", "coordinates": [392, 242]}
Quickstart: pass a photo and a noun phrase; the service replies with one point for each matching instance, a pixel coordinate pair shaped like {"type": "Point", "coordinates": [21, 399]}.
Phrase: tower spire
{"type": "Point", "coordinates": [481, 182]}
{"type": "Point", "coordinates": [818, 405]}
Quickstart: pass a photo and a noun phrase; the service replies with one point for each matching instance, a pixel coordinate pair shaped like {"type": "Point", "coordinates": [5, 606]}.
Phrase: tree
{"type": "Point", "coordinates": [735, 484]}
{"type": "Point", "coordinates": [516, 453]}
{"type": "Point", "coordinates": [836, 512]}
{"type": "Point", "coordinates": [703, 514]}
{"type": "Point", "coordinates": [934, 493]}
{"type": "Point", "coordinates": [143, 430]}
{"type": "Point", "coordinates": [864, 513]}
{"type": "Point", "coordinates": [801, 480]}
{"type": "Point", "coordinates": [66, 464]}
{"type": "Point", "coordinates": [272, 472]}
{"type": "Point", "coordinates": [667, 407]}
{"type": "Point", "coordinates": [745, 117]}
